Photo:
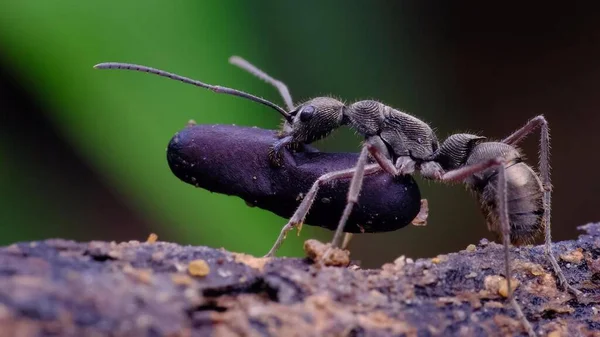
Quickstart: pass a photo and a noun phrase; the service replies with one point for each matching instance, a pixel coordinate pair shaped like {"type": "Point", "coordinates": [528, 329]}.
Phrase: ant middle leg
{"type": "Point", "coordinates": [377, 149]}
{"type": "Point", "coordinates": [544, 170]}
{"type": "Point", "coordinates": [298, 218]}
{"type": "Point", "coordinates": [375, 146]}
{"type": "Point", "coordinates": [459, 175]}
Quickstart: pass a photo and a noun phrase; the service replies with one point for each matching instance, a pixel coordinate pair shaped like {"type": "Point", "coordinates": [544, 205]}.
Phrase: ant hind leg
{"type": "Point", "coordinates": [464, 172]}
{"type": "Point", "coordinates": [504, 222]}
{"type": "Point", "coordinates": [544, 171]}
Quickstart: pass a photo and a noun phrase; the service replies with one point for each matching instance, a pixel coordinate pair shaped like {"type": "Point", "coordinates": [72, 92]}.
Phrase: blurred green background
{"type": "Point", "coordinates": [82, 151]}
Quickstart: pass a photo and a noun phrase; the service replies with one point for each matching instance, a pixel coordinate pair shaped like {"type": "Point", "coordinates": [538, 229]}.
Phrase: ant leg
{"type": "Point", "coordinates": [529, 127]}
{"type": "Point", "coordinates": [275, 155]}
{"type": "Point", "coordinates": [434, 171]}
{"type": "Point", "coordinates": [249, 67]}
{"type": "Point", "coordinates": [404, 164]}
{"type": "Point", "coordinates": [502, 194]}
{"type": "Point", "coordinates": [464, 172]}
{"type": "Point", "coordinates": [375, 146]}
{"type": "Point", "coordinates": [380, 154]}
{"type": "Point", "coordinates": [353, 193]}
{"type": "Point", "coordinates": [308, 200]}
{"type": "Point", "coordinates": [544, 169]}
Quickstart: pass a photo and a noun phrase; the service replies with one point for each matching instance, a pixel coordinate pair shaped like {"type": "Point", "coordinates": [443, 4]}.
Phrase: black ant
{"type": "Point", "coordinates": [515, 200]}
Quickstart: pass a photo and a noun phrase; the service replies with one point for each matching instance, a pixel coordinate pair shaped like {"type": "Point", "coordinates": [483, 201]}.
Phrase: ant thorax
{"type": "Point", "coordinates": [403, 134]}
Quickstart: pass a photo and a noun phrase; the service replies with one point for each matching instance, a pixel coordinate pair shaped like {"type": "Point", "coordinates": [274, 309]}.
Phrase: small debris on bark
{"type": "Point", "coordinates": [496, 284]}
{"type": "Point", "coordinates": [65, 288]}
{"type": "Point", "coordinates": [574, 256]}
{"type": "Point", "coordinates": [198, 268]}
{"type": "Point", "coordinates": [152, 238]}
{"type": "Point", "coordinates": [325, 254]}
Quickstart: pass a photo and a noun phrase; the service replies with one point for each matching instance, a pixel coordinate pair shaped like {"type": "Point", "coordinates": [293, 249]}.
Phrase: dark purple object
{"type": "Point", "coordinates": [234, 160]}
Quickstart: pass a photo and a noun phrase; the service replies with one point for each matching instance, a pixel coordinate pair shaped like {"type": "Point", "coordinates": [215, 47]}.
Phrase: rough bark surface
{"type": "Point", "coordinates": [64, 288]}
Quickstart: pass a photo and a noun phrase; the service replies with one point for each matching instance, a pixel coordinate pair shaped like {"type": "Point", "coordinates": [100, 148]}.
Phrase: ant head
{"type": "Point", "coordinates": [314, 119]}
{"type": "Point", "coordinates": [456, 149]}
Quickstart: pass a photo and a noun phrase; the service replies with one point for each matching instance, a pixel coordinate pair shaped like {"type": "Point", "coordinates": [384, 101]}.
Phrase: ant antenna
{"type": "Point", "coordinates": [214, 88]}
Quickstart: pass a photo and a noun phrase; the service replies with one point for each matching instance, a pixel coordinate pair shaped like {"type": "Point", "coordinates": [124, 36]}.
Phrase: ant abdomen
{"type": "Point", "coordinates": [524, 192]}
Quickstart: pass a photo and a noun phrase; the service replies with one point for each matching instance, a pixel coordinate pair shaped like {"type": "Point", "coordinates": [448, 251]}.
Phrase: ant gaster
{"type": "Point", "coordinates": [515, 201]}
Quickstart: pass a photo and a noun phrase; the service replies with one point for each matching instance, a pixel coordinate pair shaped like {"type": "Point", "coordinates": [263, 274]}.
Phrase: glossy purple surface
{"type": "Point", "coordinates": [233, 160]}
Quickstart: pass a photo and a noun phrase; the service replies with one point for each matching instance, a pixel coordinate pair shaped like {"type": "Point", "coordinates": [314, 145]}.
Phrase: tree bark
{"type": "Point", "coordinates": [65, 288]}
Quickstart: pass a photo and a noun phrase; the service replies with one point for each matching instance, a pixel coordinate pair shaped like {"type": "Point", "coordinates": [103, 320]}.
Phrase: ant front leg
{"type": "Point", "coordinates": [353, 193]}
{"type": "Point", "coordinates": [298, 218]}
{"type": "Point", "coordinates": [461, 174]}
{"type": "Point", "coordinates": [544, 170]}
{"type": "Point", "coordinates": [275, 153]}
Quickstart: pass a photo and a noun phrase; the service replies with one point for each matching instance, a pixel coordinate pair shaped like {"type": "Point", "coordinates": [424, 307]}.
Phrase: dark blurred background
{"type": "Point", "coordinates": [82, 151]}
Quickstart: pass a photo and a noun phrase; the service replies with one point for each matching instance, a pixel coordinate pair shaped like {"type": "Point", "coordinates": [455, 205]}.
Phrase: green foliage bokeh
{"type": "Point", "coordinates": [120, 122]}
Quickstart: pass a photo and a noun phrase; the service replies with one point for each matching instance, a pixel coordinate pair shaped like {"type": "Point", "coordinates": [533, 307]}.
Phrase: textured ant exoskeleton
{"type": "Point", "coordinates": [514, 199]}
{"type": "Point", "coordinates": [399, 135]}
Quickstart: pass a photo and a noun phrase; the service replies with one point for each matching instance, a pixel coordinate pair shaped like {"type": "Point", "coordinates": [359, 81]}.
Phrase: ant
{"type": "Point", "coordinates": [514, 199]}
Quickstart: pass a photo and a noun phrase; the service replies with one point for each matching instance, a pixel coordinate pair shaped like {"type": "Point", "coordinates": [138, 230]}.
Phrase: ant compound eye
{"type": "Point", "coordinates": [306, 113]}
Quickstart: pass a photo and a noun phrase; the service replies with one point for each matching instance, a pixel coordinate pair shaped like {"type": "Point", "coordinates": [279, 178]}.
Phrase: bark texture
{"type": "Point", "coordinates": [65, 288]}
